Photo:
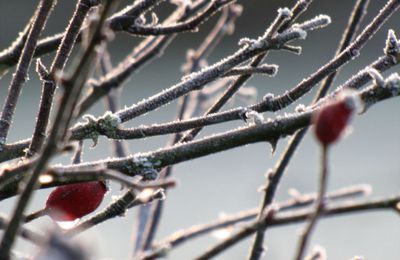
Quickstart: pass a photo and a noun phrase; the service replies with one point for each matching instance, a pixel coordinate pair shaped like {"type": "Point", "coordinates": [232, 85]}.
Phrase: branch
{"type": "Point", "coordinates": [352, 51]}
{"type": "Point", "coordinates": [47, 78]}
{"type": "Point", "coordinates": [180, 237]}
{"type": "Point", "coordinates": [139, 57]}
{"type": "Point", "coordinates": [26, 233]}
{"type": "Point", "coordinates": [59, 128]}
{"type": "Point", "coordinates": [150, 215]}
{"type": "Point", "coordinates": [42, 13]}
{"type": "Point", "coordinates": [55, 177]}
{"type": "Point", "coordinates": [275, 175]}
{"type": "Point", "coordinates": [185, 26]}
{"type": "Point", "coordinates": [118, 208]}
{"type": "Point", "coordinates": [280, 24]}
{"type": "Point", "coordinates": [144, 164]}
{"type": "Point", "coordinates": [319, 206]}
{"type": "Point", "coordinates": [117, 22]}
{"type": "Point", "coordinates": [295, 217]}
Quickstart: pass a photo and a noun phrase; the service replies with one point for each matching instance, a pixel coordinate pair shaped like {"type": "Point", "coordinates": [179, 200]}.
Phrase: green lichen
{"type": "Point", "coordinates": [105, 125]}
{"type": "Point", "coordinates": [145, 166]}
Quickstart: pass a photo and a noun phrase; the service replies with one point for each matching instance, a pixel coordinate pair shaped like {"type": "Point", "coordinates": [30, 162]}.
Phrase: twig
{"type": "Point", "coordinates": [269, 70]}
{"type": "Point", "coordinates": [281, 19]}
{"type": "Point", "coordinates": [150, 215]}
{"type": "Point", "coordinates": [17, 46]}
{"type": "Point", "coordinates": [128, 200]}
{"type": "Point", "coordinates": [58, 177]}
{"type": "Point", "coordinates": [42, 13]}
{"type": "Point", "coordinates": [59, 128]}
{"type": "Point", "coordinates": [197, 80]}
{"type": "Point", "coordinates": [112, 103]}
{"type": "Point", "coordinates": [245, 135]}
{"type": "Point", "coordinates": [281, 23]}
{"type": "Point", "coordinates": [381, 64]}
{"type": "Point", "coordinates": [26, 233]}
{"type": "Point", "coordinates": [184, 26]}
{"type": "Point", "coordinates": [15, 150]}
{"type": "Point", "coordinates": [144, 163]}
{"type": "Point", "coordinates": [48, 81]}
{"type": "Point", "coordinates": [117, 22]}
{"type": "Point", "coordinates": [319, 206]}
{"type": "Point", "coordinates": [295, 217]}
{"type": "Point", "coordinates": [140, 56]}
{"type": "Point", "coordinates": [274, 177]}
{"type": "Point", "coordinates": [180, 237]}
{"type": "Point", "coordinates": [274, 103]}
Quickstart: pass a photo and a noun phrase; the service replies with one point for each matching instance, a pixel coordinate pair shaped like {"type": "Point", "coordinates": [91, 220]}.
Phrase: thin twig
{"type": "Point", "coordinates": [42, 13]}
{"type": "Point", "coordinates": [26, 233]}
{"type": "Point", "coordinates": [180, 237]}
{"type": "Point", "coordinates": [280, 24]}
{"type": "Point", "coordinates": [299, 216]}
{"type": "Point", "coordinates": [352, 51]}
{"type": "Point", "coordinates": [144, 164]}
{"type": "Point", "coordinates": [383, 63]}
{"type": "Point", "coordinates": [184, 26]}
{"type": "Point", "coordinates": [48, 81]}
{"type": "Point", "coordinates": [319, 206]}
{"type": "Point", "coordinates": [118, 23]}
{"type": "Point", "coordinates": [141, 56]}
{"type": "Point", "coordinates": [274, 177]}
{"type": "Point", "coordinates": [118, 208]}
{"type": "Point", "coordinates": [150, 215]}
{"type": "Point", "coordinates": [58, 131]}
{"type": "Point", "coordinates": [112, 103]}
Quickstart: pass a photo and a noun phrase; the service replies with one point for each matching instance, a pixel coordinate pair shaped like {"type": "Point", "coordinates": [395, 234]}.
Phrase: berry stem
{"type": "Point", "coordinates": [319, 206]}
{"type": "Point", "coordinates": [35, 215]}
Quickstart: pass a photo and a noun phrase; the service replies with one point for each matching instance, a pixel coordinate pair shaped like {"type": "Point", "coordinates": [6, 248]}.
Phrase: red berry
{"type": "Point", "coordinates": [331, 120]}
{"type": "Point", "coordinates": [73, 201]}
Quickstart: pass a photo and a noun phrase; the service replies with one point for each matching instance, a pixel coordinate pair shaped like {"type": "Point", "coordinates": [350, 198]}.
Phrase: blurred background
{"type": "Point", "coordinates": [227, 182]}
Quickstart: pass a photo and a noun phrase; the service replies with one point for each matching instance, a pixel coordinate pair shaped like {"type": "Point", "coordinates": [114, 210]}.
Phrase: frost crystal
{"type": "Point", "coordinates": [377, 77]}
{"type": "Point", "coordinates": [318, 252]}
{"type": "Point", "coordinates": [355, 53]}
{"type": "Point", "coordinates": [268, 97]}
{"type": "Point", "coordinates": [245, 41]}
{"type": "Point", "coordinates": [302, 34]}
{"type": "Point", "coordinates": [252, 44]}
{"type": "Point", "coordinates": [300, 108]}
{"type": "Point", "coordinates": [254, 117]}
{"type": "Point", "coordinates": [351, 99]}
{"type": "Point", "coordinates": [285, 12]}
{"type": "Point", "coordinates": [393, 82]}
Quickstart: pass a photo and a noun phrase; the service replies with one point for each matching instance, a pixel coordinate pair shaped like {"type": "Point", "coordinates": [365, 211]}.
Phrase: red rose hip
{"type": "Point", "coordinates": [73, 201]}
{"type": "Point", "coordinates": [331, 119]}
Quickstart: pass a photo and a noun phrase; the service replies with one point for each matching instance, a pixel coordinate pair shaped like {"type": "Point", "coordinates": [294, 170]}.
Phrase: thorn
{"type": "Point", "coordinates": [274, 144]}
{"type": "Point", "coordinates": [392, 46]}
{"type": "Point", "coordinates": [42, 70]}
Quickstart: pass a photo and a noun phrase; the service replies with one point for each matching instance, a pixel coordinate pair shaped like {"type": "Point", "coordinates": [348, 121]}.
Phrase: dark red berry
{"type": "Point", "coordinates": [331, 120]}
{"type": "Point", "coordinates": [73, 201]}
